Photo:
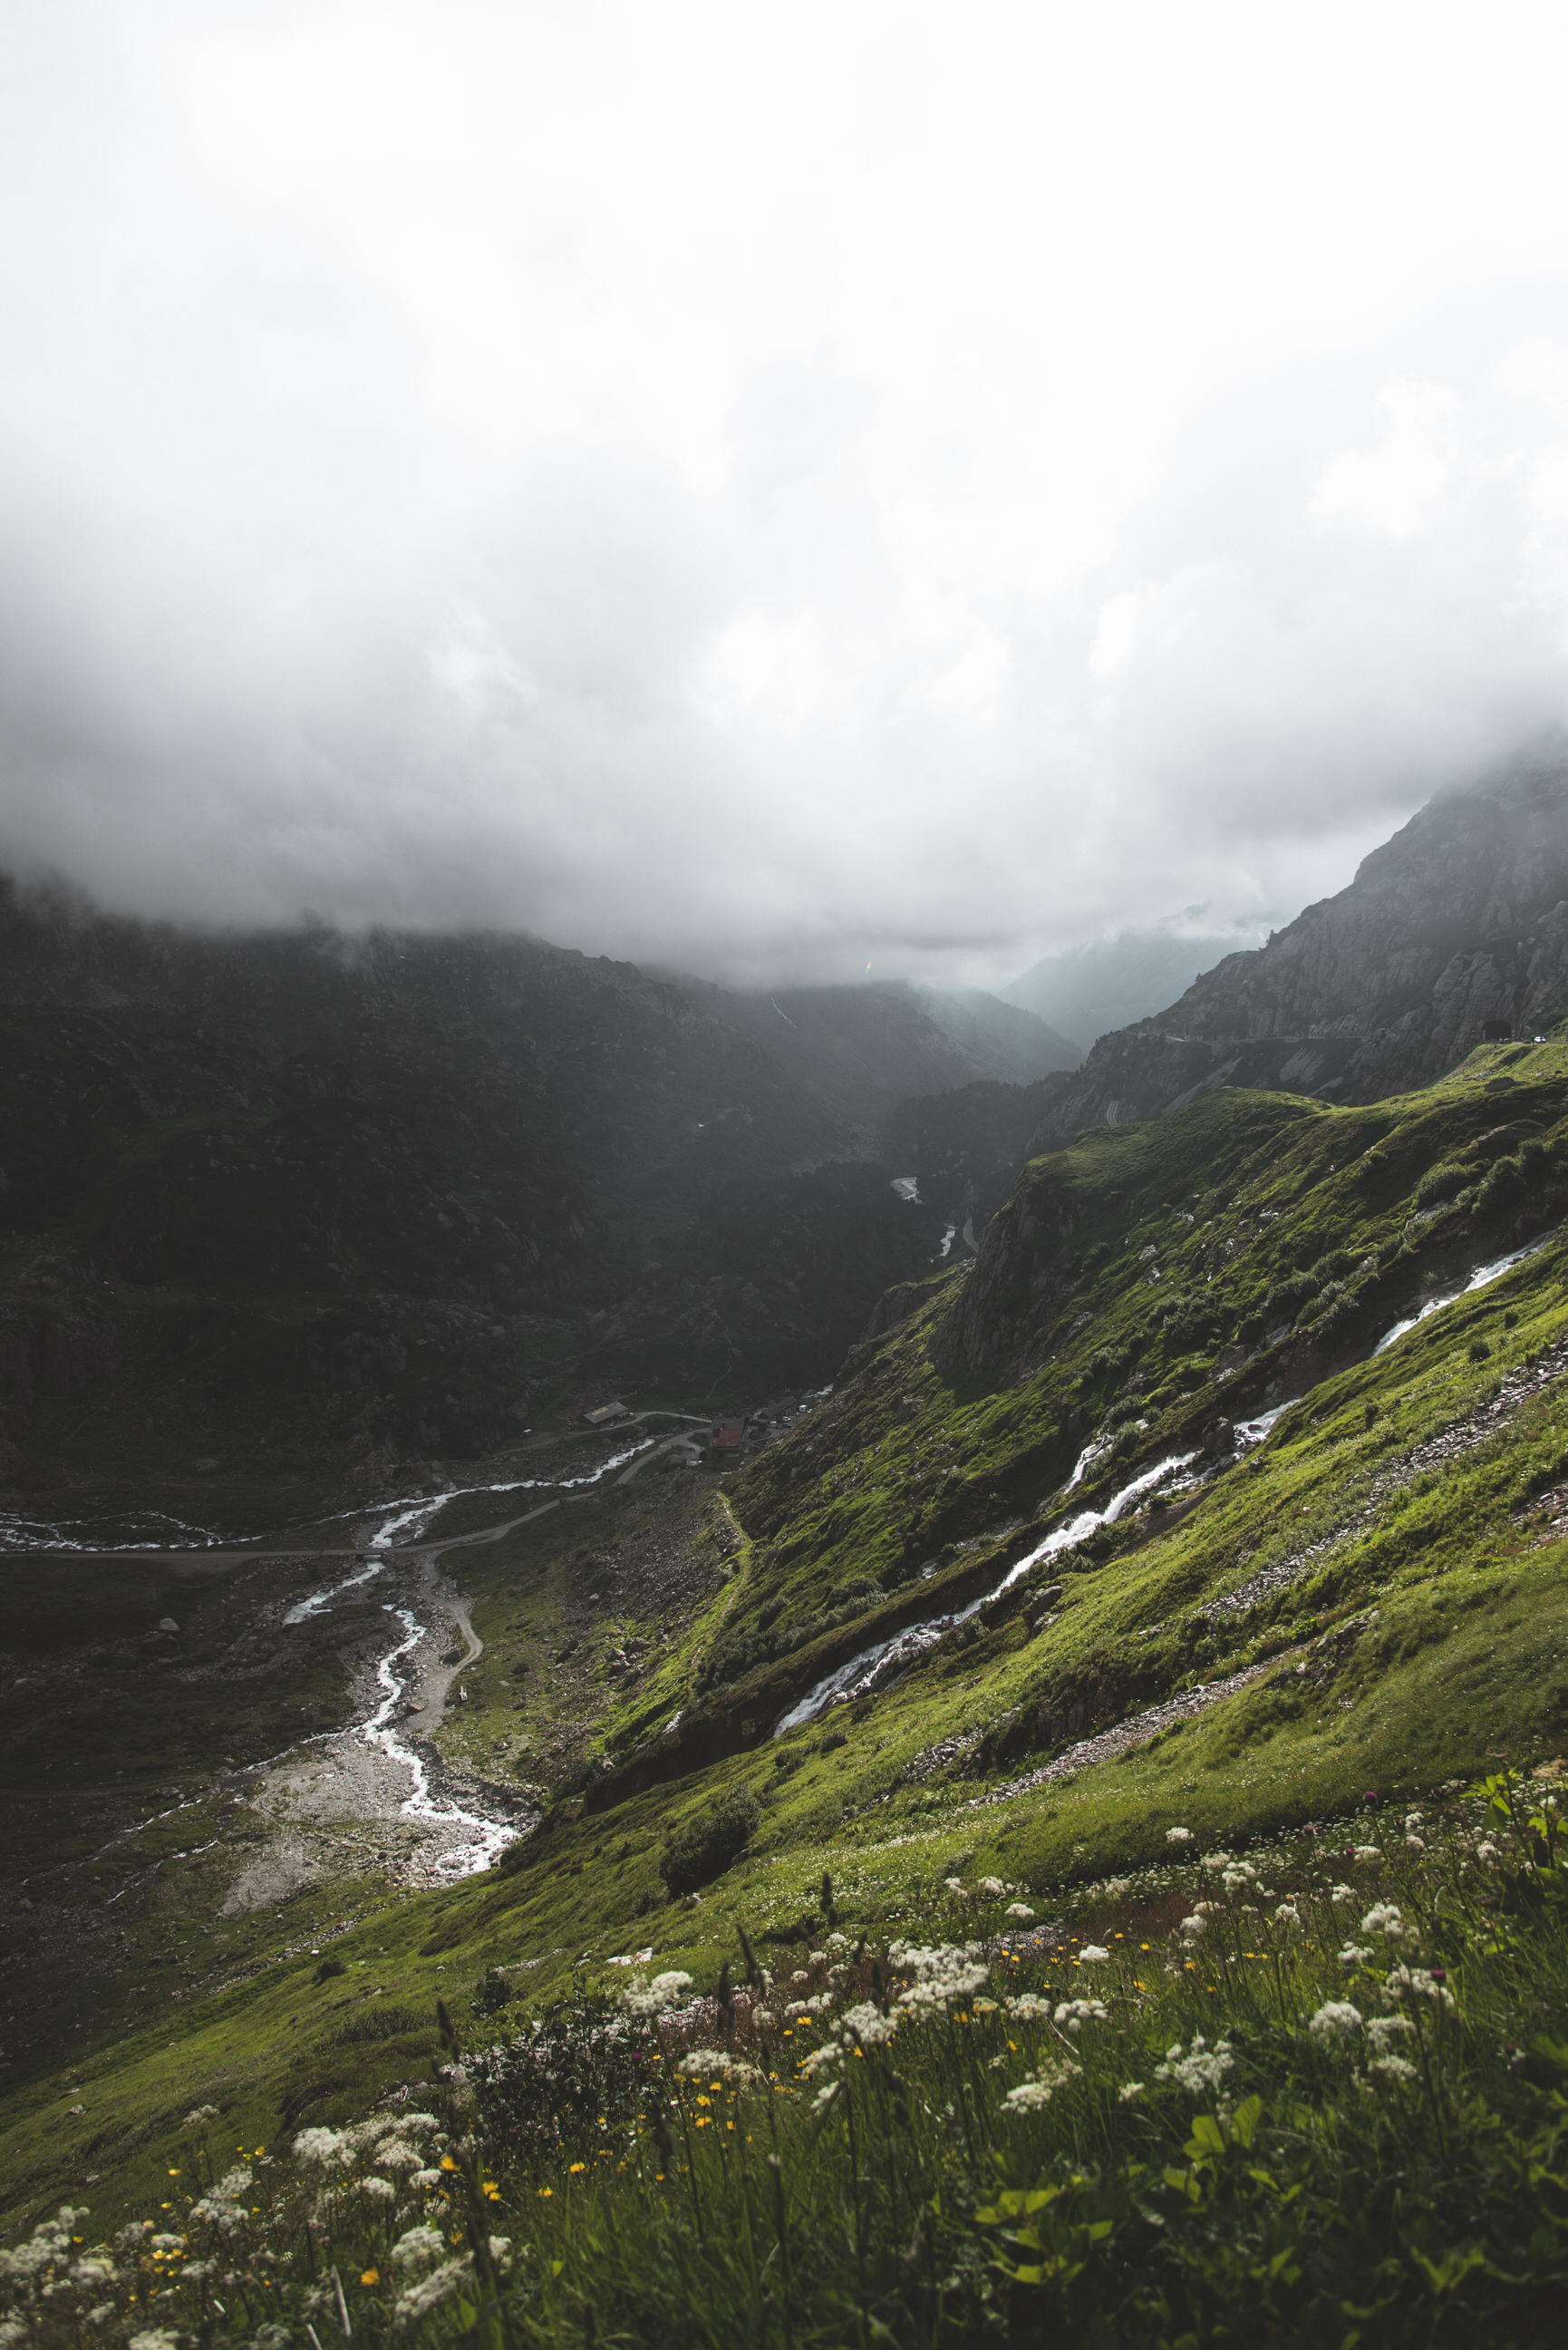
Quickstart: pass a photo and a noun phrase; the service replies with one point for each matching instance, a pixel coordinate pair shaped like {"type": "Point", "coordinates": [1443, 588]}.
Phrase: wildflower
{"type": "Point", "coordinates": [153, 2338]}
{"type": "Point", "coordinates": [199, 2116]}
{"type": "Point", "coordinates": [651, 1999]}
{"type": "Point", "coordinates": [1128, 2091]}
{"type": "Point", "coordinates": [838, 1941]}
{"type": "Point", "coordinates": [1369, 1852]}
{"type": "Point", "coordinates": [1191, 1928]}
{"type": "Point", "coordinates": [1020, 1910]}
{"type": "Point", "coordinates": [1031, 2095]}
{"type": "Point", "coordinates": [1355, 1954]}
{"type": "Point", "coordinates": [1336, 2020]}
{"type": "Point", "coordinates": [416, 2247]}
{"type": "Point", "coordinates": [1416, 1843]}
{"type": "Point", "coordinates": [421, 2298]}
{"type": "Point", "coordinates": [1242, 1873]}
{"type": "Point", "coordinates": [1217, 1860]}
{"type": "Point", "coordinates": [380, 2191]}
{"type": "Point", "coordinates": [1028, 2009]}
{"type": "Point", "coordinates": [714, 2065]}
{"type": "Point", "coordinates": [867, 2024]}
{"type": "Point", "coordinates": [320, 2147]}
{"type": "Point", "coordinates": [993, 1886]}
{"type": "Point", "coordinates": [1342, 1895]}
{"type": "Point", "coordinates": [1415, 1982]}
{"type": "Point", "coordinates": [1486, 1849]}
{"type": "Point", "coordinates": [1075, 2012]}
{"type": "Point", "coordinates": [826, 2096]}
{"type": "Point", "coordinates": [1383, 2029]}
{"type": "Point", "coordinates": [1414, 1819]}
{"type": "Point", "coordinates": [1178, 1836]}
{"type": "Point", "coordinates": [1287, 1914]}
{"type": "Point", "coordinates": [1091, 1954]}
{"type": "Point", "coordinates": [1201, 2069]}
{"type": "Point", "coordinates": [830, 2052]}
{"type": "Point", "coordinates": [370, 2276]}
{"type": "Point", "coordinates": [1392, 2068]}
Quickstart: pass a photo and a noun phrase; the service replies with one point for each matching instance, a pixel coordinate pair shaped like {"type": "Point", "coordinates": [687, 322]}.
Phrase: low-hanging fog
{"type": "Point", "coordinates": [776, 492]}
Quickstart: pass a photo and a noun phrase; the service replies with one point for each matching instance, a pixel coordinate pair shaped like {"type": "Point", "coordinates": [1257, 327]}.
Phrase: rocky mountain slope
{"type": "Point", "coordinates": [1460, 918]}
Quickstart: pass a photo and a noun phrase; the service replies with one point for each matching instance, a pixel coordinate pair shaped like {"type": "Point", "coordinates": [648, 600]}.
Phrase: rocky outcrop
{"type": "Point", "coordinates": [1460, 920]}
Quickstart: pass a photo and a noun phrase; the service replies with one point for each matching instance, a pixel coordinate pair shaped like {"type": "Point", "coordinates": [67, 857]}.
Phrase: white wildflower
{"type": "Point", "coordinates": [1020, 1910]}
{"type": "Point", "coordinates": [1128, 2091]}
{"type": "Point", "coordinates": [430, 2292]}
{"type": "Point", "coordinates": [1369, 1852]}
{"type": "Point", "coordinates": [1029, 2095]}
{"type": "Point", "coordinates": [1355, 1954]}
{"type": "Point", "coordinates": [1217, 1860]}
{"type": "Point", "coordinates": [1381, 2030]}
{"type": "Point", "coordinates": [1343, 1896]}
{"type": "Point", "coordinates": [867, 2024]}
{"type": "Point", "coordinates": [418, 2246]}
{"type": "Point", "coordinates": [153, 2337]}
{"type": "Point", "coordinates": [1387, 1919]}
{"type": "Point", "coordinates": [1416, 1843]}
{"type": "Point", "coordinates": [1075, 2012]}
{"type": "Point", "coordinates": [1336, 2020]}
{"type": "Point", "coordinates": [1414, 1819]}
{"type": "Point", "coordinates": [715, 2064]}
{"type": "Point", "coordinates": [320, 2147]}
{"type": "Point", "coordinates": [954, 1884]}
{"type": "Point", "coordinates": [650, 1999]}
{"type": "Point", "coordinates": [1091, 1954]}
{"type": "Point", "coordinates": [1028, 2008]}
{"type": "Point", "coordinates": [1202, 2069]}
{"type": "Point", "coordinates": [1243, 1874]}
{"type": "Point", "coordinates": [838, 1941]}
{"type": "Point", "coordinates": [1193, 1928]}
{"type": "Point", "coordinates": [830, 2052]}
{"type": "Point", "coordinates": [380, 2191]}
{"type": "Point", "coordinates": [1392, 2068]}
{"type": "Point", "coordinates": [1178, 1836]}
{"type": "Point", "coordinates": [1287, 1914]}
{"type": "Point", "coordinates": [1415, 1983]}
{"type": "Point", "coordinates": [826, 2096]}
{"type": "Point", "coordinates": [993, 1886]}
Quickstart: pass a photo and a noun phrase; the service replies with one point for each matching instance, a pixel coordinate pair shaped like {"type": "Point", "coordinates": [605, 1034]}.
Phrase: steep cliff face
{"type": "Point", "coordinates": [1460, 918]}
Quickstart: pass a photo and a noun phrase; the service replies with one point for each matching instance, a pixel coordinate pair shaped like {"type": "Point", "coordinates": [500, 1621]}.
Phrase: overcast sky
{"type": "Point", "coordinates": [772, 489]}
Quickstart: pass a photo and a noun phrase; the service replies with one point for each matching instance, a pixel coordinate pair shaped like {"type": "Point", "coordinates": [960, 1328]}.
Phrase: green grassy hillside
{"type": "Point", "coordinates": [1370, 1594]}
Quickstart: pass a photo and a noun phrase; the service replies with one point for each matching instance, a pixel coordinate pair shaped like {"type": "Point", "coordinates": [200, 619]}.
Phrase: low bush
{"type": "Point", "coordinates": [1444, 1181]}
{"type": "Point", "coordinates": [703, 1846]}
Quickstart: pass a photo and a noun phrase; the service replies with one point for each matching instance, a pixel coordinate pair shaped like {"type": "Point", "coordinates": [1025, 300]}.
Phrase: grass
{"type": "Point", "coordinates": [1403, 1512]}
{"type": "Point", "coordinates": [1315, 2094]}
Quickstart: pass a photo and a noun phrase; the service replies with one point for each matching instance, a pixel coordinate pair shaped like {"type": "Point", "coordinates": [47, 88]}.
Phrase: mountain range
{"type": "Point", "coordinates": [1123, 1706]}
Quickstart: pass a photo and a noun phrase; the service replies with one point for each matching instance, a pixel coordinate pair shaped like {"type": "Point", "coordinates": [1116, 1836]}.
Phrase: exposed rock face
{"type": "Point", "coordinates": [1460, 918]}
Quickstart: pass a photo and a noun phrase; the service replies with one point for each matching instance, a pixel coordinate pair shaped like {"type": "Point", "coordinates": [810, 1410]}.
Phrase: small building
{"type": "Point", "coordinates": [729, 1435]}
{"type": "Point", "coordinates": [1497, 1031]}
{"type": "Point", "coordinates": [603, 1415]}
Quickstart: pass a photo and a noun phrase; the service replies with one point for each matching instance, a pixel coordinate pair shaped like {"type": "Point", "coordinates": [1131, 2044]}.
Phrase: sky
{"type": "Point", "coordinates": [782, 491]}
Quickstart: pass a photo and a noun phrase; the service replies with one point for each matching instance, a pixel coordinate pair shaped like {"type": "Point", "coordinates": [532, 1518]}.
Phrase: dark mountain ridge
{"type": "Point", "coordinates": [1461, 919]}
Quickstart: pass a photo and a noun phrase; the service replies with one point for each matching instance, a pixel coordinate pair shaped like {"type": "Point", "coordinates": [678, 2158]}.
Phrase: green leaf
{"type": "Point", "coordinates": [467, 2317]}
{"type": "Point", "coordinates": [1245, 2119]}
{"type": "Point", "coordinates": [1206, 2142]}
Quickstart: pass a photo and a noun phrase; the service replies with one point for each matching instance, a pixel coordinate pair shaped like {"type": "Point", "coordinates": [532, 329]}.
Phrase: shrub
{"type": "Point", "coordinates": [1441, 1182]}
{"type": "Point", "coordinates": [703, 1846]}
{"type": "Point", "coordinates": [1105, 1360]}
{"type": "Point", "coordinates": [1478, 1350]}
{"type": "Point", "coordinates": [1287, 1297]}
{"type": "Point", "coordinates": [380, 2024]}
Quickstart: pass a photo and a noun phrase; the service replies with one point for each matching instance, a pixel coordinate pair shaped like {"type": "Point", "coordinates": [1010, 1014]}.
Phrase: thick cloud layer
{"type": "Point", "coordinates": [771, 492]}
